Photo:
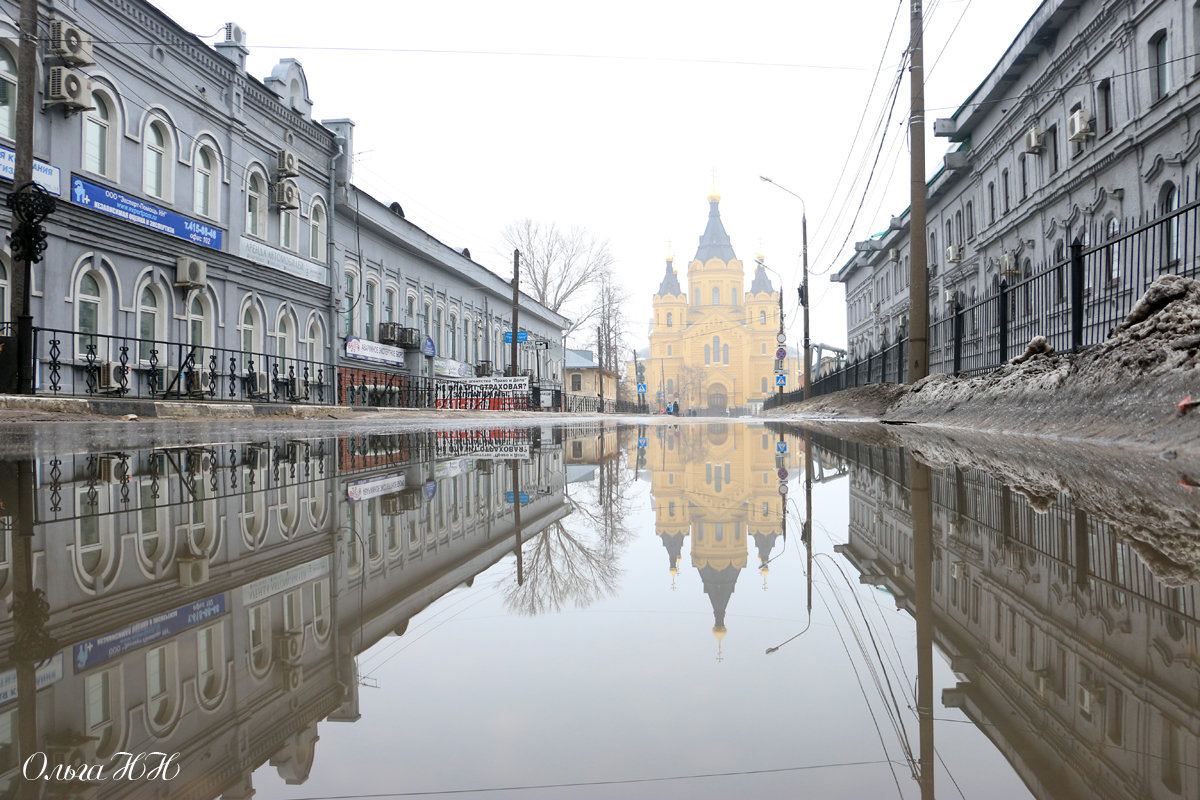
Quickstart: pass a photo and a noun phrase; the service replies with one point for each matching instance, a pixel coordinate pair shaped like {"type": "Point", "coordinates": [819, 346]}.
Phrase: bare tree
{"type": "Point", "coordinates": [559, 268]}
{"type": "Point", "coordinates": [611, 300]}
{"type": "Point", "coordinates": [561, 568]}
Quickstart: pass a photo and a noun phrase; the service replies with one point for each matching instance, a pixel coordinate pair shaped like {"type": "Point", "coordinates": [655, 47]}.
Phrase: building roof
{"type": "Point", "coordinates": [670, 281]}
{"type": "Point", "coordinates": [579, 359]}
{"type": "Point", "coordinates": [761, 282]}
{"type": "Point", "coordinates": [714, 243]}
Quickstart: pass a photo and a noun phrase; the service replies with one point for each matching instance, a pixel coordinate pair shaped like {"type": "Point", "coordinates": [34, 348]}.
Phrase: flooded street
{"type": "Point", "coordinates": [599, 610]}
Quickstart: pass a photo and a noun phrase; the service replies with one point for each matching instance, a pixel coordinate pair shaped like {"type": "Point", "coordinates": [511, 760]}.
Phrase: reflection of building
{"type": "Point", "coordinates": [717, 485]}
{"type": "Point", "coordinates": [1073, 658]}
{"type": "Point", "coordinates": [211, 600]}
{"type": "Point", "coordinates": [717, 350]}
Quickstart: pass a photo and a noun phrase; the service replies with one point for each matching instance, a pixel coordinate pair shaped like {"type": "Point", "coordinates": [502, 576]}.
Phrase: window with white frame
{"type": "Point", "coordinates": [256, 205]}
{"type": "Point", "coordinates": [289, 229]}
{"type": "Point", "coordinates": [260, 638]}
{"type": "Point", "coordinates": [5, 288]}
{"type": "Point", "coordinates": [103, 709]}
{"type": "Point", "coordinates": [160, 678]}
{"type": "Point", "coordinates": [210, 660]}
{"type": "Point", "coordinates": [452, 338]}
{"type": "Point", "coordinates": [199, 321]}
{"type": "Point", "coordinates": [251, 328]}
{"type": "Point", "coordinates": [8, 94]}
{"type": "Point", "coordinates": [318, 239]}
{"type": "Point", "coordinates": [100, 136]}
{"type": "Point", "coordinates": [370, 300]}
{"type": "Point", "coordinates": [285, 338]}
{"type": "Point", "coordinates": [151, 324]}
{"type": "Point", "coordinates": [316, 344]}
{"type": "Point", "coordinates": [350, 302]}
{"type": "Point", "coordinates": [1160, 66]}
{"type": "Point", "coordinates": [207, 182]}
{"type": "Point", "coordinates": [92, 312]}
{"type": "Point", "coordinates": [157, 161]}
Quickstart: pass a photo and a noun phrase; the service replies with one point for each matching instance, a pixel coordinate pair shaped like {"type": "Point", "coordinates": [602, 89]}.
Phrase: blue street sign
{"type": "Point", "coordinates": [641, 388]}
{"type": "Point", "coordinates": [642, 442]}
{"type": "Point", "coordinates": [781, 447]}
{"type": "Point", "coordinates": [781, 380]}
{"type": "Point", "coordinates": [522, 336]}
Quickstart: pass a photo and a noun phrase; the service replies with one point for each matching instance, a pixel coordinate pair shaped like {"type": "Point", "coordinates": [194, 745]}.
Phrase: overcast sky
{"type": "Point", "coordinates": [615, 116]}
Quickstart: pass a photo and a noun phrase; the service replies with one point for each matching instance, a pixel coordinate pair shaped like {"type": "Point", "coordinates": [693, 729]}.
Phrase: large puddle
{"type": "Point", "coordinates": [693, 610]}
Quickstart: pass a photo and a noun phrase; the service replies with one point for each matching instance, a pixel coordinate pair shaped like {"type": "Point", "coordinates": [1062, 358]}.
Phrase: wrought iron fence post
{"type": "Point", "coordinates": [958, 337]}
{"type": "Point", "coordinates": [1002, 298]}
{"type": "Point", "coordinates": [1076, 277]}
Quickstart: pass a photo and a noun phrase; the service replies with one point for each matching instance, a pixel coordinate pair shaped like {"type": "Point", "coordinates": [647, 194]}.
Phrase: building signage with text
{"type": "Point", "coordinates": [44, 175]}
{"type": "Point", "coordinates": [48, 673]}
{"type": "Point", "coordinates": [449, 368]}
{"type": "Point", "coordinates": [375, 487]}
{"type": "Point", "coordinates": [277, 259]}
{"type": "Point", "coordinates": [139, 634]}
{"type": "Point", "coordinates": [139, 212]}
{"type": "Point", "coordinates": [367, 350]}
{"type": "Point", "coordinates": [263, 588]}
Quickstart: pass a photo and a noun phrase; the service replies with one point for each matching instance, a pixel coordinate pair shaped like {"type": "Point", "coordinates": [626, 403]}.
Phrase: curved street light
{"type": "Point", "coordinates": [804, 281]}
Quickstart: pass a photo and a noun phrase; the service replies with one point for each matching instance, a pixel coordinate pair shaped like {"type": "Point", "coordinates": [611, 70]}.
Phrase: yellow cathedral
{"type": "Point", "coordinates": [716, 350]}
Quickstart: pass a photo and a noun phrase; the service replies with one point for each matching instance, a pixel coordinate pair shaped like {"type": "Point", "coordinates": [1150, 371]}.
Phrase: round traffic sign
{"type": "Point", "coordinates": [781, 337]}
{"type": "Point", "coordinates": [783, 473]}
{"type": "Point", "coordinates": [783, 488]}
{"type": "Point", "coordinates": [781, 353]}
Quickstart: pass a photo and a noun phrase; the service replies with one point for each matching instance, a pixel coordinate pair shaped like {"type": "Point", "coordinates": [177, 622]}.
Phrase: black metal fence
{"type": "Point", "coordinates": [92, 364]}
{"type": "Point", "coordinates": [1075, 301]}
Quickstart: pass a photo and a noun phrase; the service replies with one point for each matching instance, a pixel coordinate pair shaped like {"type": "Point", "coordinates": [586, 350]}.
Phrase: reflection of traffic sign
{"type": "Point", "coordinates": [641, 388]}
{"type": "Point", "coordinates": [783, 488]}
{"type": "Point", "coordinates": [781, 447]}
{"type": "Point", "coordinates": [642, 441]}
{"type": "Point", "coordinates": [524, 497]}
{"type": "Point", "coordinates": [522, 336]}
{"type": "Point", "coordinates": [781, 337]}
{"type": "Point", "coordinates": [781, 353]}
{"type": "Point", "coordinates": [781, 380]}
{"type": "Point", "coordinates": [783, 473]}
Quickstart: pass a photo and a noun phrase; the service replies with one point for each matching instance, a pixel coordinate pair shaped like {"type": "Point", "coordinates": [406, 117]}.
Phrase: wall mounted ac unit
{"type": "Point", "coordinates": [1042, 683]}
{"type": "Point", "coordinates": [234, 34]}
{"type": "Point", "coordinates": [108, 469]}
{"type": "Point", "coordinates": [893, 255]}
{"type": "Point", "coordinates": [70, 87]}
{"type": "Point", "coordinates": [483, 369]}
{"type": "Point", "coordinates": [160, 379]}
{"type": "Point", "coordinates": [289, 646]}
{"type": "Point", "coordinates": [286, 195]}
{"type": "Point", "coordinates": [287, 165]}
{"type": "Point", "coordinates": [111, 376]}
{"type": "Point", "coordinates": [190, 273]}
{"type": "Point", "coordinates": [874, 308]}
{"type": "Point", "coordinates": [1033, 140]}
{"type": "Point", "coordinates": [70, 749]}
{"type": "Point", "coordinates": [1079, 126]}
{"type": "Point", "coordinates": [954, 254]}
{"type": "Point", "coordinates": [390, 505]}
{"type": "Point", "coordinates": [389, 332]}
{"type": "Point", "coordinates": [291, 677]}
{"type": "Point", "coordinates": [410, 338]}
{"type": "Point", "coordinates": [201, 382]}
{"type": "Point", "coordinates": [958, 570]}
{"type": "Point", "coordinates": [70, 43]}
{"type": "Point", "coordinates": [193, 570]}
{"type": "Point", "coordinates": [258, 384]}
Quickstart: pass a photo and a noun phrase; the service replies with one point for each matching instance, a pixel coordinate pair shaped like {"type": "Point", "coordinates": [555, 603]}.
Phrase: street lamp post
{"type": "Point", "coordinates": [803, 282]}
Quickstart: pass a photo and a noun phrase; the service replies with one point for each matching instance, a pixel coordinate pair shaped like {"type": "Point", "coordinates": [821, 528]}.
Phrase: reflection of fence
{"type": "Point", "coordinates": [579, 404]}
{"type": "Point", "coordinates": [1075, 301]}
{"type": "Point", "coordinates": [103, 365]}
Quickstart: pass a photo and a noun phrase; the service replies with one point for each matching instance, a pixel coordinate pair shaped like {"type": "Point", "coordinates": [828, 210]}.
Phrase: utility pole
{"type": "Point", "coordinates": [782, 335]}
{"type": "Point", "coordinates": [512, 363]}
{"type": "Point", "coordinates": [20, 311]}
{"type": "Point", "coordinates": [918, 292]}
{"type": "Point", "coordinates": [600, 362]}
{"type": "Point", "coordinates": [804, 303]}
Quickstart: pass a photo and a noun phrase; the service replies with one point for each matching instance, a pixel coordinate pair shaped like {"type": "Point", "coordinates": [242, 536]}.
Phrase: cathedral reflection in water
{"type": "Point", "coordinates": [210, 600]}
{"type": "Point", "coordinates": [1072, 656]}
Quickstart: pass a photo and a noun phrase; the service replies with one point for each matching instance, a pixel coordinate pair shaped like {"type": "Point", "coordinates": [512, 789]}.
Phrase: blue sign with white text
{"type": "Point", "coordinates": [524, 497]}
{"type": "Point", "coordinates": [428, 348]}
{"type": "Point", "coordinates": [522, 336]}
{"type": "Point", "coordinates": [148, 631]}
{"type": "Point", "coordinates": [139, 212]}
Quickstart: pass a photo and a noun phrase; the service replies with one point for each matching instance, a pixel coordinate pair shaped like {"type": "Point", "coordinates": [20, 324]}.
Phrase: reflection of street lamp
{"type": "Point", "coordinates": [804, 281]}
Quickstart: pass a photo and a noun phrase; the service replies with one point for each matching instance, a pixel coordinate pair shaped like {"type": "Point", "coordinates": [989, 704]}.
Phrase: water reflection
{"type": "Point", "coordinates": [1072, 656]}
{"type": "Point", "coordinates": [210, 600]}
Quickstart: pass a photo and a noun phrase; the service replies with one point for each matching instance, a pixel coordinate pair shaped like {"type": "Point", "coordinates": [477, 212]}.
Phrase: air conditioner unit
{"type": "Point", "coordinates": [1079, 126]}
{"type": "Point", "coordinates": [1042, 683]}
{"type": "Point", "coordinates": [954, 254]}
{"type": "Point", "coordinates": [193, 570]}
{"type": "Point", "coordinates": [190, 273]}
{"type": "Point", "coordinates": [1089, 694]}
{"type": "Point", "coordinates": [410, 499]}
{"type": "Point", "coordinates": [289, 646]}
{"type": "Point", "coordinates": [69, 86]}
{"type": "Point", "coordinates": [286, 195]}
{"type": "Point", "coordinates": [1033, 140]}
{"type": "Point", "coordinates": [69, 43]}
{"type": "Point", "coordinates": [390, 505]}
{"type": "Point", "coordinates": [874, 308]}
{"type": "Point", "coordinates": [410, 339]}
{"type": "Point", "coordinates": [389, 332]}
{"type": "Point", "coordinates": [200, 382]}
{"type": "Point", "coordinates": [258, 384]}
{"type": "Point", "coordinates": [70, 749]}
{"type": "Point", "coordinates": [1008, 262]}
{"type": "Point", "coordinates": [291, 677]}
{"type": "Point", "coordinates": [483, 369]}
{"type": "Point", "coordinates": [897, 570]}
{"type": "Point", "coordinates": [893, 255]}
{"type": "Point", "coordinates": [111, 377]}
{"type": "Point", "coordinates": [958, 570]}
{"type": "Point", "coordinates": [108, 469]}
{"type": "Point", "coordinates": [234, 34]}
{"type": "Point", "coordinates": [162, 379]}
{"type": "Point", "coordinates": [254, 457]}
{"type": "Point", "coordinates": [288, 387]}
{"type": "Point", "coordinates": [286, 163]}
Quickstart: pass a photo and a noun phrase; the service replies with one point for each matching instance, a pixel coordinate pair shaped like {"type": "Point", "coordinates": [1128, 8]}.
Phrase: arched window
{"type": "Point", "coordinates": [1112, 253]}
{"type": "Point", "coordinates": [285, 338]}
{"type": "Point", "coordinates": [1060, 287]}
{"type": "Point", "coordinates": [1004, 190]}
{"type": "Point", "coordinates": [452, 338]}
{"type": "Point", "coordinates": [157, 161]}
{"type": "Point", "coordinates": [958, 228]}
{"type": "Point", "coordinates": [5, 287]}
{"type": "Point", "coordinates": [991, 198]}
{"type": "Point", "coordinates": [762, 317]}
{"type": "Point", "coordinates": [716, 296]}
{"type": "Point", "coordinates": [289, 227]}
{"type": "Point", "coordinates": [389, 305]}
{"type": "Point", "coordinates": [91, 312]}
{"type": "Point", "coordinates": [252, 334]}
{"type": "Point", "coordinates": [670, 319]}
{"type": "Point", "coordinates": [970, 219]}
{"type": "Point", "coordinates": [316, 343]}
{"type": "Point", "coordinates": [350, 302]}
{"type": "Point", "coordinates": [256, 205]}
{"type": "Point", "coordinates": [318, 239]}
{"type": "Point", "coordinates": [150, 325]}
{"type": "Point", "coordinates": [437, 330]}
{"type": "Point", "coordinates": [428, 318]}
{"type": "Point", "coordinates": [707, 354]}
{"type": "Point", "coordinates": [370, 302]}
{"type": "Point", "coordinates": [410, 306]}
{"type": "Point", "coordinates": [99, 138]}
{"type": "Point", "coordinates": [1160, 66]}
{"type": "Point", "coordinates": [8, 94]}
{"type": "Point", "coordinates": [1168, 204]}
{"type": "Point", "coordinates": [207, 181]}
{"type": "Point", "coordinates": [199, 325]}
{"type": "Point", "coordinates": [725, 353]}
{"type": "Point", "coordinates": [716, 348]}
{"type": "Point", "coordinates": [104, 707]}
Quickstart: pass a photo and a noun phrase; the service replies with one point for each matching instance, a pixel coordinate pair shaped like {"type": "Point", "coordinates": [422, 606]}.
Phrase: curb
{"type": "Point", "coordinates": [150, 409]}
